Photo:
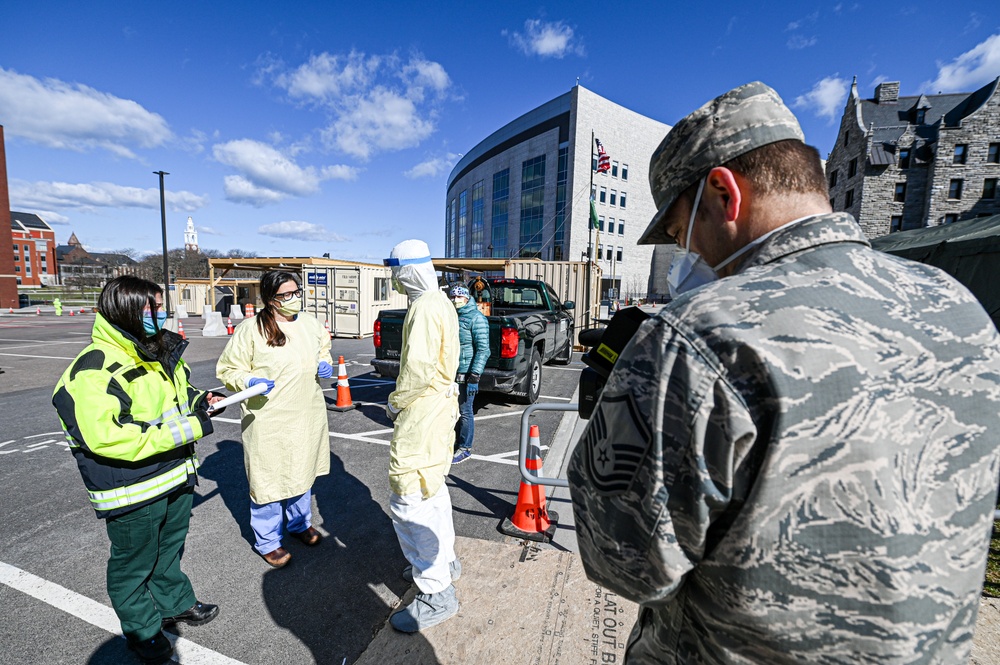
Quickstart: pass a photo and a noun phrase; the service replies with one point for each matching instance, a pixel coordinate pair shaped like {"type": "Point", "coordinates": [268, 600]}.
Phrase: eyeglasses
{"type": "Point", "coordinates": [285, 297]}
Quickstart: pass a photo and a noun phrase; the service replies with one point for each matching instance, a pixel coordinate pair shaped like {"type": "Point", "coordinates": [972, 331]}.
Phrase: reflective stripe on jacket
{"type": "Point", "coordinates": [130, 420]}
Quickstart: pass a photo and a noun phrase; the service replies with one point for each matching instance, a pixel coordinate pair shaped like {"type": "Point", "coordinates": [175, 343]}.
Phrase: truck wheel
{"type": "Point", "coordinates": [566, 357]}
{"type": "Point", "coordinates": [532, 385]}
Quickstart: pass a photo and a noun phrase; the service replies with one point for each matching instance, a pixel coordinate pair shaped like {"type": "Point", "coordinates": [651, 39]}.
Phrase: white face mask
{"type": "Point", "coordinates": [688, 270]}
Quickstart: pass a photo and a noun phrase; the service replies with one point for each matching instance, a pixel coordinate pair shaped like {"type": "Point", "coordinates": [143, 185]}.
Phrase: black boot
{"type": "Point", "coordinates": [153, 651]}
{"type": "Point", "coordinates": [197, 615]}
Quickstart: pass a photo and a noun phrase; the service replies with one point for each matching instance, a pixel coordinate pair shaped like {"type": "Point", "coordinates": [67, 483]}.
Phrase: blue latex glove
{"type": "Point", "coordinates": [254, 381]}
{"type": "Point", "coordinates": [325, 370]}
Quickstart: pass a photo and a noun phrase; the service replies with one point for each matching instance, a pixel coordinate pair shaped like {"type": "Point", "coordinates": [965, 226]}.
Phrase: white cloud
{"type": "Point", "coordinates": [383, 121]}
{"type": "Point", "coordinates": [826, 99]}
{"type": "Point", "coordinates": [268, 176]}
{"type": "Point", "coordinates": [52, 217]}
{"type": "Point", "coordinates": [546, 39]}
{"type": "Point", "coordinates": [93, 195]}
{"type": "Point", "coordinates": [300, 231]}
{"type": "Point", "coordinates": [432, 167]}
{"type": "Point", "coordinates": [73, 116]}
{"type": "Point", "coordinates": [969, 71]}
{"type": "Point", "coordinates": [376, 103]}
{"type": "Point", "coordinates": [798, 42]}
{"type": "Point", "coordinates": [240, 190]}
{"type": "Point", "coordinates": [341, 172]}
{"type": "Point", "coordinates": [209, 231]}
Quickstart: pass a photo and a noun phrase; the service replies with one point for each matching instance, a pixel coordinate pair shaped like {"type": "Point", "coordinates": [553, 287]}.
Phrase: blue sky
{"type": "Point", "coordinates": [294, 129]}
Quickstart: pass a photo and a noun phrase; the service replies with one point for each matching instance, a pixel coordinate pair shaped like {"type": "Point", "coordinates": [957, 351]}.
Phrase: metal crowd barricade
{"type": "Point", "coordinates": [531, 477]}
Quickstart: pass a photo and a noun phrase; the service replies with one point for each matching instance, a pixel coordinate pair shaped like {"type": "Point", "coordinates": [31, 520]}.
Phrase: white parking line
{"type": "Point", "coordinates": [35, 436]}
{"type": "Point", "coordinates": [99, 615]}
{"type": "Point", "coordinates": [565, 399]}
{"type": "Point", "coordinates": [22, 355]}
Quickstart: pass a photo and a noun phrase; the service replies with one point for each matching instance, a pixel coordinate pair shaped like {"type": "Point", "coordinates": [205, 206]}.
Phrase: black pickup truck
{"type": "Point", "coordinates": [528, 328]}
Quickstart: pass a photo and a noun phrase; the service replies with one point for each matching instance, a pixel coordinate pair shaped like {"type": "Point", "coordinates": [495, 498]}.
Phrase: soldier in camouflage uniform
{"type": "Point", "coordinates": [796, 462]}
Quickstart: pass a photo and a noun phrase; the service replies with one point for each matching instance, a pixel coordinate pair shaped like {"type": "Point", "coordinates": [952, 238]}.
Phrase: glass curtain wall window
{"type": "Point", "coordinates": [477, 220]}
{"type": "Point", "coordinates": [463, 218]}
{"type": "Point", "coordinates": [562, 182]}
{"type": "Point", "coordinates": [532, 207]}
{"type": "Point", "coordinates": [501, 197]}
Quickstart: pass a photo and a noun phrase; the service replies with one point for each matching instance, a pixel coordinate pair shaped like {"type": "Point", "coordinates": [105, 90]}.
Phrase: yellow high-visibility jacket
{"type": "Point", "coordinates": [130, 420]}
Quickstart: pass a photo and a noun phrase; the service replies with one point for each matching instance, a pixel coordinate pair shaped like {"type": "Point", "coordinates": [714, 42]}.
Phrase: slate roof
{"type": "Point", "coordinates": [890, 120]}
{"type": "Point", "coordinates": [27, 220]}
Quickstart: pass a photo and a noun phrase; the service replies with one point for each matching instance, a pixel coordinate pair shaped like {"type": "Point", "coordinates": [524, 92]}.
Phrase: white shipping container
{"type": "Point", "coordinates": [348, 298]}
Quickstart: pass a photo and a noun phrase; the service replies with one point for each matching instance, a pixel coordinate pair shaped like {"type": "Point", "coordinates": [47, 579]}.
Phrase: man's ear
{"type": "Point", "coordinates": [723, 186]}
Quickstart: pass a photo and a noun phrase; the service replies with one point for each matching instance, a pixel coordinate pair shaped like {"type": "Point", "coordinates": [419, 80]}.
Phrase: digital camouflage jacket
{"type": "Point", "coordinates": [798, 463]}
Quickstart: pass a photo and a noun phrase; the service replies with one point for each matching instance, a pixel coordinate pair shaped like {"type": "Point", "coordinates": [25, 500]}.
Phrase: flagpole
{"type": "Point", "coordinates": [590, 231]}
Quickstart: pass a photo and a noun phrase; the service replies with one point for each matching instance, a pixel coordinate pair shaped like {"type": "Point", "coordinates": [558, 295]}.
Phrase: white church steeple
{"type": "Point", "coordinates": [190, 237]}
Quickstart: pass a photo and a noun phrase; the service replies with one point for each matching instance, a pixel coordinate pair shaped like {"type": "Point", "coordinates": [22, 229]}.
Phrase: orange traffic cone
{"type": "Point", "coordinates": [229, 326]}
{"type": "Point", "coordinates": [11, 310]}
{"type": "Point", "coordinates": [531, 519]}
{"type": "Point", "coordinates": [72, 313]}
{"type": "Point", "coordinates": [38, 311]}
{"type": "Point", "coordinates": [180, 329]}
{"type": "Point", "coordinates": [344, 402]}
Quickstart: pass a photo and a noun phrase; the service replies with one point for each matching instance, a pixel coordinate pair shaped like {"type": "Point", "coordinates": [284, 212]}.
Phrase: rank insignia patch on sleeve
{"type": "Point", "coordinates": [615, 443]}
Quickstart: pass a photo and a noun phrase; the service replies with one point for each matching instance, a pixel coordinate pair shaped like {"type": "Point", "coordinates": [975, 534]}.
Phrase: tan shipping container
{"type": "Point", "coordinates": [567, 278]}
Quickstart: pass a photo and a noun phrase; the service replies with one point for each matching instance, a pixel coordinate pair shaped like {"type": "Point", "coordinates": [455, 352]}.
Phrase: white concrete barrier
{"type": "Point", "coordinates": [214, 327]}
{"type": "Point", "coordinates": [181, 312]}
{"type": "Point", "coordinates": [235, 313]}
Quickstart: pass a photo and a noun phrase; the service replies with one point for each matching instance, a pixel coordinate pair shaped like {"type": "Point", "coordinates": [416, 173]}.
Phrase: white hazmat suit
{"type": "Point", "coordinates": [424, 406]}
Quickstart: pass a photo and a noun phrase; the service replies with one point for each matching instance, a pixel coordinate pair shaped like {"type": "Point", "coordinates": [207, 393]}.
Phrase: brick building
{"type": "Point", "coordinates": [8, 279]}
{"type": "Point", "coordinates": [78, 267]}
{"type": "Point", "coordinates": [908, 162]}
{"type": "Point", "coordinates": [34, 250]}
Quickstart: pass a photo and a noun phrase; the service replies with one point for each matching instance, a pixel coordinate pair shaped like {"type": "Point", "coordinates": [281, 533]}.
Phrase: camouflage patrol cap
{"type": "Point", "coordinates": [741, 120]}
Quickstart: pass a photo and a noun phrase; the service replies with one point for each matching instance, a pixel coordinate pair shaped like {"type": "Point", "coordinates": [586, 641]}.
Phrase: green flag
{"type": "Point", "coordinates": [593, 213]}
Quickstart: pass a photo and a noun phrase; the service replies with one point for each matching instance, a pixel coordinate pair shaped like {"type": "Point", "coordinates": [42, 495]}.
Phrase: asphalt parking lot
{"type": "Point", "coordinates": [324, 607]}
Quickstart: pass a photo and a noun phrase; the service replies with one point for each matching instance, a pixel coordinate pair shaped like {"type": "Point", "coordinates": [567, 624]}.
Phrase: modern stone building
{"type": "Point", "coordinates": [524, 190]}
{"type": "Point", "coordinates": [908, 162]}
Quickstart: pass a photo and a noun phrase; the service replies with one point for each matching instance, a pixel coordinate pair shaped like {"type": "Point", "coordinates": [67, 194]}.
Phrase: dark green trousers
{"type": "Point", "coordinates": [145, 581]}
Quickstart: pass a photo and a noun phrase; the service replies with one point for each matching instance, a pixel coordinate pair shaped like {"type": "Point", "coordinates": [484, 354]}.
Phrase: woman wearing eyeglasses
{"type": "Point", "coordinates": [286, 439]}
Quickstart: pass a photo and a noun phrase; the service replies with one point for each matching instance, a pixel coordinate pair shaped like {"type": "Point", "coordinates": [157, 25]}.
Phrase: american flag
{"type": "Point", "coordinates": [603, 161]}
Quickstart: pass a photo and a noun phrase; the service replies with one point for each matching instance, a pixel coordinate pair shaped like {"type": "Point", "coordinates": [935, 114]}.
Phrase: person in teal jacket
{"type": "Point", "coordinates": [131, 418]}
{"type": "Point", "coordinates": [474, 343]}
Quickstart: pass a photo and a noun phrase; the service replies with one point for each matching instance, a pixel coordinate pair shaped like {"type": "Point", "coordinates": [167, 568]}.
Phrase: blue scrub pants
{"type": "Point", "coordinates": [267, 520]}
{"type": "Point", "coordinates": [465, 428]}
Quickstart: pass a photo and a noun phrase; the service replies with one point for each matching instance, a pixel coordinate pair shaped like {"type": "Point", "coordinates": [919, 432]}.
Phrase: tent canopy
{"type": "Point", "coordinates": [969, 251]}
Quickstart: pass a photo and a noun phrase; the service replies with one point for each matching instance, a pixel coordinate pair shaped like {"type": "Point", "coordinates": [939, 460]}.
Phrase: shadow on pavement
{"type": "Point", "coordinates": [225, 467]}
{"type": "Point", "coordinates": [498, 507]}
{"type": "Point", "coordinates": [113, 651]}
{"type": "Point", "coordinates": [334, 597]}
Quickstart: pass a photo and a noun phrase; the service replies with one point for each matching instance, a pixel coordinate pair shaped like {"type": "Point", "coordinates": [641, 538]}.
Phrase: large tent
{"type": "Point", "coordinates": [969, 251]}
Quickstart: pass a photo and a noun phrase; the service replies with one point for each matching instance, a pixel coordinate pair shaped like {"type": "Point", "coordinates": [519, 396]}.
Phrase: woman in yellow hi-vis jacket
{"type": "Point", "coordinates": [286, 438]}
{"type": "Point", "coordinates": [131, 419]}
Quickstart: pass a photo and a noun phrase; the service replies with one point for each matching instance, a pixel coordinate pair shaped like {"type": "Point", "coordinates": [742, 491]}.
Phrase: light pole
{"type": "Point", "coordinates": [490, 248]}
{"type": "Point", "coordinates": [163, 224]}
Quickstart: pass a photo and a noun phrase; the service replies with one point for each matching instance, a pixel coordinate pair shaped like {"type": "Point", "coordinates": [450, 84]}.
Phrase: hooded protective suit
{"type": "Point", "coordinates": [425, 394]}
{"type": "Point", "coordinates": [426, 401]}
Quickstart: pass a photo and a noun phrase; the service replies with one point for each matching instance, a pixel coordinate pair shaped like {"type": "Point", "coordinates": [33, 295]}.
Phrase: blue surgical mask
{"type": "Point", "coordinates": [147, 322]}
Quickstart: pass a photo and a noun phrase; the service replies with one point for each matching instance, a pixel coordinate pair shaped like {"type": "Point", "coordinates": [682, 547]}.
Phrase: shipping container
{"type": "Point", "coordinates": [348, 298]}
{"type": "Point", "coordinates": [567, 278]}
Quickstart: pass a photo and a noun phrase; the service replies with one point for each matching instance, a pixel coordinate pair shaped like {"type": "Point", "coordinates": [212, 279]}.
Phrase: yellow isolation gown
{"type": "Point", "coordinates": [286, 437]}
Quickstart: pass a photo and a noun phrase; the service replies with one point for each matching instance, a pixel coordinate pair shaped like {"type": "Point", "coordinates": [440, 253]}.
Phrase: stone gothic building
{"type": "Point", "coordinates": [908, 162]}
